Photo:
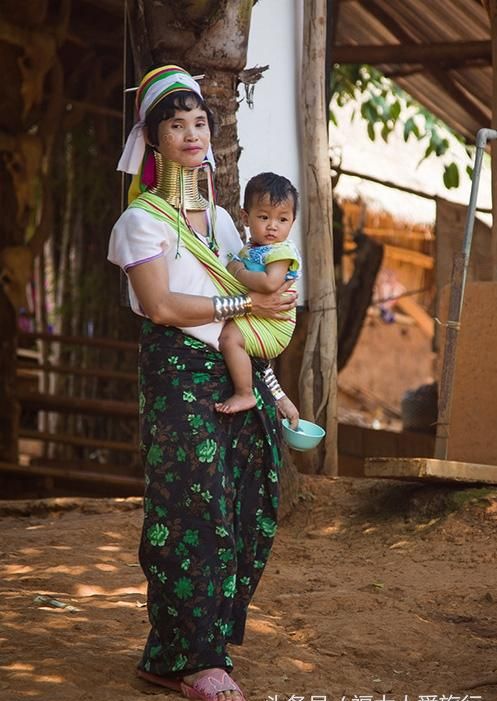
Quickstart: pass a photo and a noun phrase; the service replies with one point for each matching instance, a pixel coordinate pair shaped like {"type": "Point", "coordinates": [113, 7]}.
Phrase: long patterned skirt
{"type": "Point", "coordinates": [211, 497]}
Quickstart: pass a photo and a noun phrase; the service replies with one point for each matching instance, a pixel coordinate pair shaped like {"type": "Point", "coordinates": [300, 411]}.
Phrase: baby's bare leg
{"type": "Point", "coordinates": [232, 346]}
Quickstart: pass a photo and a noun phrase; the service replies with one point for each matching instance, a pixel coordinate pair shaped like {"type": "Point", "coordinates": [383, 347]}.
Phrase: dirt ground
{"type": "Point", "coordinates": [376, 591]}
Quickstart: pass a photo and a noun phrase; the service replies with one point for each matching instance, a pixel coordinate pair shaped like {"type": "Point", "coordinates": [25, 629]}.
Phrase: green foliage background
{"type": "Point", "coordinates": [384, 105]}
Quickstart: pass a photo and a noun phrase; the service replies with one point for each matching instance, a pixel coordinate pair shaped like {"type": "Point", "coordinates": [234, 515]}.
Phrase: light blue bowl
{"type": "Point", "coordinates": [307, 435]}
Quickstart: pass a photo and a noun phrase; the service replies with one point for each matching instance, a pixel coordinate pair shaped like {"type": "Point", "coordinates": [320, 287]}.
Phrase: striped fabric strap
{"type": "Point", "coordinates": [264, 338]}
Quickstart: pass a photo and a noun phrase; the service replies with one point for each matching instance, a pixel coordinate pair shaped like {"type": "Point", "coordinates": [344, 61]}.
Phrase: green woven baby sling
{"type": "Point", "coordinates": [264, 338]}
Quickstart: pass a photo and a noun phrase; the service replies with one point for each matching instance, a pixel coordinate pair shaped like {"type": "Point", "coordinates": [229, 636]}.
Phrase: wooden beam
{"type": "Point", "coordinates": [414, 69]}
{"type": "Point", "coordinates": [134, 484]}
{"type": "Point", "coordinates": [395, 186]}
{"type": "Point", "coordinates": [66, 439]}
{"type": "Point", "coordinates": [404, 255]}
{"type": "Point", "coordinates": [113, 343]}
{"type": "Point", "coordinates": [403, 53]}
{"type": "Point", "coordinates": [430, 469]}
{"type": "Point", "coordinates": [407, 255]}
{"type": "Point", "coordinates": [385, 183]}
{"type": "Point", "coordinates": [30, 369]}
{"type": "Point", "coordinates": [404, 234]}
{"type": "Point", "coordinates": [75, 405]}
{"type": "Point", "coordinates": [416, 312]}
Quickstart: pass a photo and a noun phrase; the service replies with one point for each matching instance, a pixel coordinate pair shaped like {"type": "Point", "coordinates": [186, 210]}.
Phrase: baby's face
{"type": "Point", "coordinates": [269, 223]}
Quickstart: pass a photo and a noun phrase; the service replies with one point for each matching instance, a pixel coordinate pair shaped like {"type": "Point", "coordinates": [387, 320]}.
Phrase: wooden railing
{"type": "Point", "coordinates": [34, 372]}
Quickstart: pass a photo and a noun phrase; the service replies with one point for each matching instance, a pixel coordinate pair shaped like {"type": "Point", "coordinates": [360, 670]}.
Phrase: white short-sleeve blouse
{"type": "Point", "coordinates": [138, 237]}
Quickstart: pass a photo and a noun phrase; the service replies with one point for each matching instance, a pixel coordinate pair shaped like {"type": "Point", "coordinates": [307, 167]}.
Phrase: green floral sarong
{"type": "Point", "coordinates": [211, 496]}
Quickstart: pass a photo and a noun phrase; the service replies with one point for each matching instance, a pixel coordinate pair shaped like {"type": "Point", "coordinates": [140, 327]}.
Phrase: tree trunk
{"type": "Point", "coordinates": [317, 384]}
{"type": "Point", "coordinates": [206, 38]}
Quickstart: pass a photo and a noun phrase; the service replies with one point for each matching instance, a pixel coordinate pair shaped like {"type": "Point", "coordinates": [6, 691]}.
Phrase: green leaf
{"type": "Point", "coordinates": [410, 127]}
{"type": "Point", "coordinates": [469, 171]}
{"type": "Point", "coordinates": [430, 149]}
{"type": "Point", "coordinates": [441, 147]}
{"type": "Point", "coordinates": [365, 110]}
{"type": "Point", "coordinates": [385, 132]}
{"type": "Point", "coordinates": [451, 176]}
{"type": "Point", "coordinates": [395, 110]}
{"type": "Point", "coordinates": [371, 132]}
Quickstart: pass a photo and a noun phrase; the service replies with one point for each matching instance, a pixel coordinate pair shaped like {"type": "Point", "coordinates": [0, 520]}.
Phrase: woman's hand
{"type": "Point", "coordinates": [275, 304]}
{"type": "Point", "coordinates": [288, 410]}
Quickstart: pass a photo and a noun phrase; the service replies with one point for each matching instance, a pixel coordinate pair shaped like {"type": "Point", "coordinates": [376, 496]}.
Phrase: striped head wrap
{"type": "Point", "coordinates": [154, 87]}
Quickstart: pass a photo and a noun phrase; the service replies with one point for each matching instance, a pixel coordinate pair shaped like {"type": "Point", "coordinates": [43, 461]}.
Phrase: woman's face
{"type": "Point", "coordinates": [185, 138]}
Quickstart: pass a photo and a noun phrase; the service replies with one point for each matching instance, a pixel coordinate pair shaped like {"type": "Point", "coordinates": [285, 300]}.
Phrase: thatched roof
{"type": "Point", "coordinates": [438, 51]}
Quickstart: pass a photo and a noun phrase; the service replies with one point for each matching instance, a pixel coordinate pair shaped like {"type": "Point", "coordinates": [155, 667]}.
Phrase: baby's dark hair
{"type": "Point", "coordinates": [277, 187]}
{"type": "Point", "coordinates": [183, 100]}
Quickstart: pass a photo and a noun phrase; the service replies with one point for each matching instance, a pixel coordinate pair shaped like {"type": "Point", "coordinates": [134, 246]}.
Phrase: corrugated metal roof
{"type": "Point", "coordinates": [458, 91]}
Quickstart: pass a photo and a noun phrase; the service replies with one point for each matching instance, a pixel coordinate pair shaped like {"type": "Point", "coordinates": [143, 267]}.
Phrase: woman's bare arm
{"type": "Point", "coordinates": [150, 282]}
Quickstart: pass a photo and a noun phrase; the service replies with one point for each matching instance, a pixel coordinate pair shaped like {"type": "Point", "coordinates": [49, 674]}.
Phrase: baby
{"type": "Point", "coordinates": [269, 210]}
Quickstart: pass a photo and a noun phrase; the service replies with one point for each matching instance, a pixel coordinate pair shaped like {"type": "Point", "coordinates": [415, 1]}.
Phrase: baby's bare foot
{"type": "Point", "coordinates": [237, 402]}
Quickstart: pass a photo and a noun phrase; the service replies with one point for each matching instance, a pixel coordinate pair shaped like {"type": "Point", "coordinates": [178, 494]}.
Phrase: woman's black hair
{"type": "Point", "coordinates": [183, 100]}
{"type": "Point", "coordinates": [277, 187]}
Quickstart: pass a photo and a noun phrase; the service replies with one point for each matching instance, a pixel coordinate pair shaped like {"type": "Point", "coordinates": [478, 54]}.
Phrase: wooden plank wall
{"type": "Point", "coordinates": [409, 248]}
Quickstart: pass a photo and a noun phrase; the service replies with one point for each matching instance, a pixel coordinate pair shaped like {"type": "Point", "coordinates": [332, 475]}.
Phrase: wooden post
{"type": "Point", "coordinates": [492, 11]}
{"type": "Point", "coordinates": [317, 384]}
{"type": "Point", "coordinates": [9, 407]}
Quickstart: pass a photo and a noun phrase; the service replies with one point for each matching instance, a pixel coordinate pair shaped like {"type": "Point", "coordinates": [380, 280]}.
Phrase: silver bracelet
{"type": "Point", "coordinates": [229, 307]}
{"type": "Point", "coordinates": [272, 384]}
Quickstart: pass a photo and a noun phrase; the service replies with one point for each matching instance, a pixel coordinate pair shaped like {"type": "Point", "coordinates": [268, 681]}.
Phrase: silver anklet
{"type": "Point", "coordinates": [272, 384]}
{"type": "Point", "coordinates": [229, 307]}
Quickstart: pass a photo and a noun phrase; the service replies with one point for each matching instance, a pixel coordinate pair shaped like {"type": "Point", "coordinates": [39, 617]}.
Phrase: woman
{"type": "Point", "coordinates": [211, 480]}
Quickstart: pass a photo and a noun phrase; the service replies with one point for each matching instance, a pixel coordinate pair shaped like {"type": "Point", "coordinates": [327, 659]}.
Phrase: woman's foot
{"type": "Point", "coordinates": [237, 402]}
{"type": "Point", "coordinates": [212, 681]}
{"type": "Point", "coordinates": [208, 685]}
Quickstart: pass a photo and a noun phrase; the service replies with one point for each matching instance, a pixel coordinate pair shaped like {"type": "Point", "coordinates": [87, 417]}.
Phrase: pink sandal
{"type": "Point", "coordinates": [206, 687]}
